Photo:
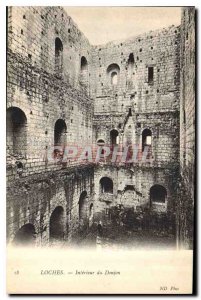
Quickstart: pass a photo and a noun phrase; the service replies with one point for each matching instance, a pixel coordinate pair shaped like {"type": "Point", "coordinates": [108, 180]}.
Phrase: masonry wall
{"type": "Point", "coordinates": [37, 92]}
{"type": "Point", "coordinates": [33, 87]}
{"type": "Point", "coordinates": [187, 129]}
{"type": "Point", "coordinates": [32, 32]}
{"type": "Point", "coordinates": [158, 49]}
{"type": "Point", "coordinates": [141, 179]}
{"type": "Point", "coordinates": [134, 104]}
{"type": "Point", "coordinates": [54, 74]}
{"type": "Point", "coordinates": [32, 201]}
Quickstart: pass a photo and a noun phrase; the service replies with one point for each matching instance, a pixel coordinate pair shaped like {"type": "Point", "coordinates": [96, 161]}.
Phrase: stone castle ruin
{"type": "Point", "coordinates": [63, 91]}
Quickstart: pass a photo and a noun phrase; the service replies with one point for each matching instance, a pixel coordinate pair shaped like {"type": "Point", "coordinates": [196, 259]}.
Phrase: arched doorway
{"type": "Point", "coordinates": [57, 224]}
{"type": "Point", "coordinates": [25, 236]}
{"type": "Point", "coordinates": [16, 127]}
{"type": "Point", "coordinates": [83, 208]}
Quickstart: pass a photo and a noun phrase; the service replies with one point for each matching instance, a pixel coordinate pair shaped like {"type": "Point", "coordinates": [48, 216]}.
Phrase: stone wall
{"type": "Point", "coordinates": [34, 199]}
{"type": "Point", "coordinates": [38, 96]}
{"type": "Point", "coordinates": [160, 50]}
{"type": "Point", "coordinates": [35, 89]}
{"type": "Point", "coordinates": [135, 103]}
{"type": "Point", "coordinates": [32, 32]}
{"type": "Point", "coordinates": [187, 129]}
{"type": "Point", "coordinates": [144, 96]}
{"type": "Point", "coordinates": [63, 91]}
{"type": "Point", "coordinates": [131, 188]}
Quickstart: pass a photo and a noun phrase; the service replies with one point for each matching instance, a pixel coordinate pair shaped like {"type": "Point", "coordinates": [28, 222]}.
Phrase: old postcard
{"type": "Point", "coordinates": [100, 127]}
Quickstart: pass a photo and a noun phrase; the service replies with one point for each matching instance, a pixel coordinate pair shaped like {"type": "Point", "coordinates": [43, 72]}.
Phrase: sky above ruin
{"type": "Point", "coordinates": [104, 24]}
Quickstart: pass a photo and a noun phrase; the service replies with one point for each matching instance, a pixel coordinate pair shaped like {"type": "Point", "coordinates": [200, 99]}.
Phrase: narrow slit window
{"type": "Point", "coordinates": [58, 55]}
{"type": "Point", "coordinates": [150, 74]}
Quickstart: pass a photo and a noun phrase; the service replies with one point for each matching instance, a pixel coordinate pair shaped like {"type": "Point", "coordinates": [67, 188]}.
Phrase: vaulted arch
{"type": "Point", "coordinates": [25, 236]}
{"type": "Point", "coordinates": [16, 126]}
{"type": "Point", "coordinates": [57, 224]}
{"type": "Point", "coordinates": [113, 72]}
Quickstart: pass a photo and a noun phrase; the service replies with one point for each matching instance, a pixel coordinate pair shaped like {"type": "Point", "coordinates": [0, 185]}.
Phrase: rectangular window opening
{"type": "Point", "coordinates": [150, 74]}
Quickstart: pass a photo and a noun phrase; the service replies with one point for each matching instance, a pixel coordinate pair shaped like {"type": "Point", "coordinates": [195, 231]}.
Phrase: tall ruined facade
{"type": "Point", "coordinates": [186, 190]}
{"type": "Point", "coordinates": [63, 91]}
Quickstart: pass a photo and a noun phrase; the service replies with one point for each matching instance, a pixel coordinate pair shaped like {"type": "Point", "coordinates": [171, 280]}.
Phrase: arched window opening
{"type": "Point", "coordinates": [114, 78]}
{"type": "Point", "coordinates": [16, 126]}
{"type": "Point", "coordinates": [106, 185]}
{"type": "Point", "coordinates": [57, 224]}
{"type": "Point", "coordinates": [114, 137]}
{"type": "Point", "coordinates": [25, 236]}
{"type": "Point", "coordinates": [60, 130]}
{"type": "Point", "coordinates": [58, 56]}
{"type": "Point", "coordinates": [100, 142]}
{"type": "Point", "coordinates": [158, 194]}
{"type": "Point", "coordinates": [84, 64]}
{"type": "Point", "coordinates": [83, 208]}
{"type": "Point", "coordinates": [146, 139]}
{"type": "Point", "coordinates": [84, 70]}
{"type": "Point", "coordinates": [113, 73]}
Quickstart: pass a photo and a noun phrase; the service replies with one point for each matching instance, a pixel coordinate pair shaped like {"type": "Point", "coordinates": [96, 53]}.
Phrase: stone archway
{"type": "Point", "coordinates": [25, 236]}
{"type": "Point", "coordinates": [83, 208]}
{"type": "Point", "coordinates": [57, 224]}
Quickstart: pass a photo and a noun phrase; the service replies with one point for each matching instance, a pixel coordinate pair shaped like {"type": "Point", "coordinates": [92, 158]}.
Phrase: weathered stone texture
{"type": "Point", "coordinates": [187, 129]}
{"type": "Point", "coordinates": [43, 96]}
{"type": "Point", "coordinates": [54, 76]}
{"type": "Point", "coordinates": [33, 200]}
